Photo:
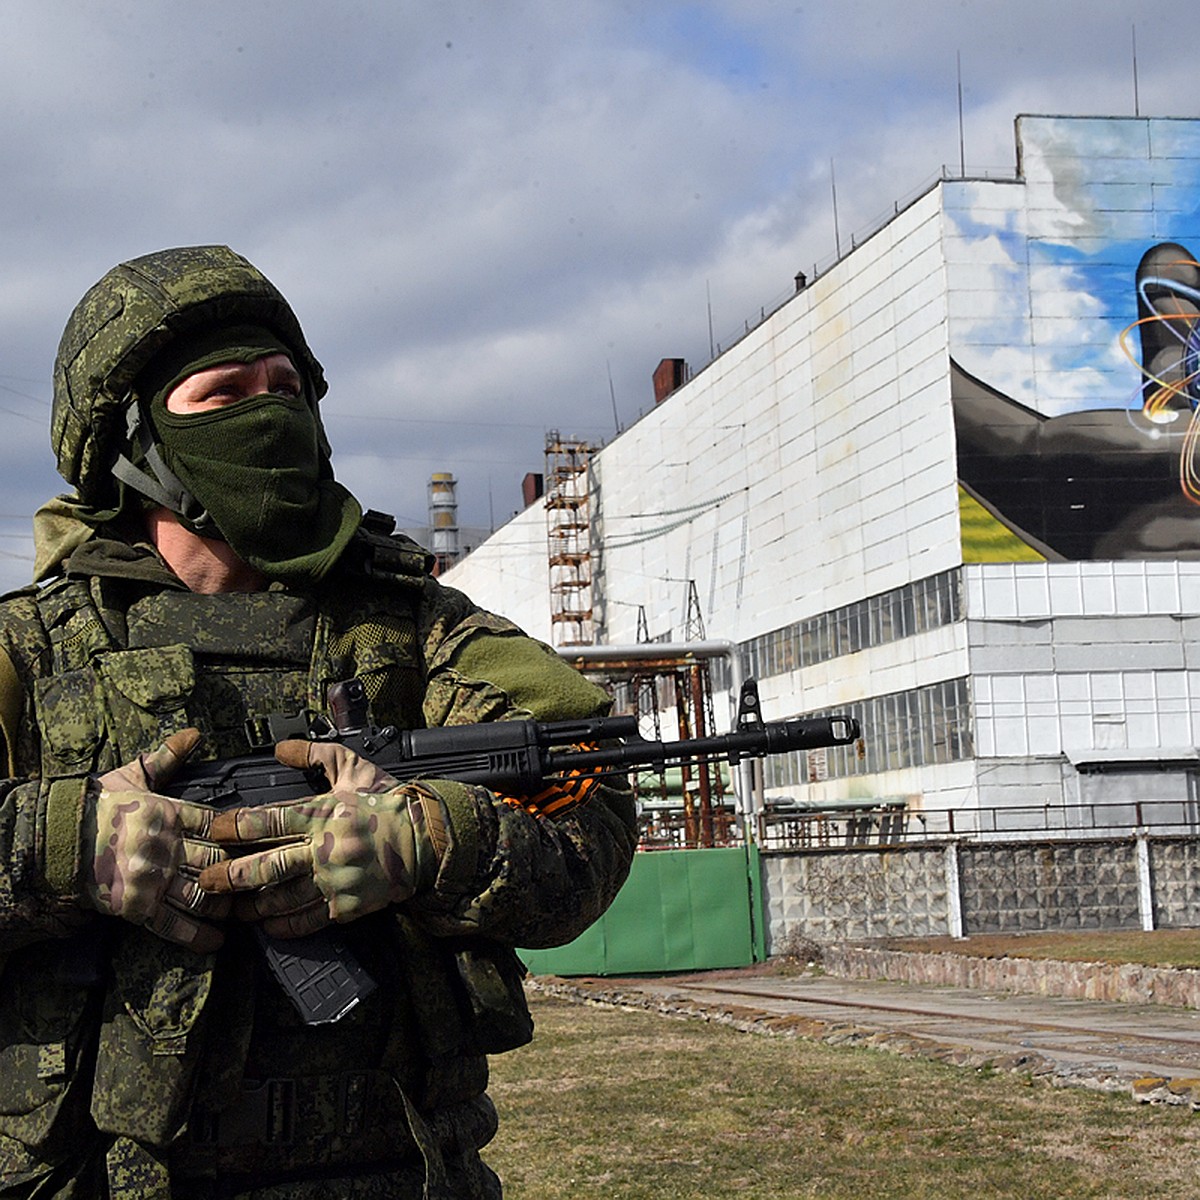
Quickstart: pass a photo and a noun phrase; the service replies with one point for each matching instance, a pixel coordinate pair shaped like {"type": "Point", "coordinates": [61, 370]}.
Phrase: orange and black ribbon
{"type": "Point", "coordinates": [572, 790]}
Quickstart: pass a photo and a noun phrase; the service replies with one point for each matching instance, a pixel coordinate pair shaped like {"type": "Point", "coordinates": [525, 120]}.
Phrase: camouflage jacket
{"type": "Point", "coordinates": [129, 1064]}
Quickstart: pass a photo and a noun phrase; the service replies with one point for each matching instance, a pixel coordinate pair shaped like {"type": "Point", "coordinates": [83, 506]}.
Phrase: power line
{"type": "Point", "coordinates": [334, 414]}
{"type": "Point", "coordinates": [711, 502]}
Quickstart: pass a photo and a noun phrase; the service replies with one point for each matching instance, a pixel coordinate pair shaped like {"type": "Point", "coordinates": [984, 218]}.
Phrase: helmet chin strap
{"type": "Point", "coordinates": [165, 488]}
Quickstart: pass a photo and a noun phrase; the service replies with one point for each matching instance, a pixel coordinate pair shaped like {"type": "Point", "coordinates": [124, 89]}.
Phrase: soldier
{"type": "Point", "coordinates": [206, 572]}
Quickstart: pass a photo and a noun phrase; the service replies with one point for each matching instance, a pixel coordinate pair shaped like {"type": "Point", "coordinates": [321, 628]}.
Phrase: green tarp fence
{"type": "Point", "coordinates": [680, 910]}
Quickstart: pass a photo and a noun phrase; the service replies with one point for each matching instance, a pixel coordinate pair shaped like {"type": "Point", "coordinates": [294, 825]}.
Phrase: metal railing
{"type": "Point", "coordinates": [896, 824]}
{"type": "Point", "coordinates": [671, 830]}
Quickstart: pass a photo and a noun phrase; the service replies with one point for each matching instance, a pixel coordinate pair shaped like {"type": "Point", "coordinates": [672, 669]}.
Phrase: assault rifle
{"type": "Point", "coordinates": [318, 972]}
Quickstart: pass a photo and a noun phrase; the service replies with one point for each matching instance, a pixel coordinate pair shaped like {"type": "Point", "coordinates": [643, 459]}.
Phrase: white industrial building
{"type": "Point", "coordinates": [945, 488]}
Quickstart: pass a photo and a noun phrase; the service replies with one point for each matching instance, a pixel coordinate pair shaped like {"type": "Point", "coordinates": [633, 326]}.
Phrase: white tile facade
{"type": "Point", "coordinates": [1112, 642]}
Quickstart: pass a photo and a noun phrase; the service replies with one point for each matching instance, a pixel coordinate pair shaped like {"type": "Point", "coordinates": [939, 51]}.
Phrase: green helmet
{"type": "Point", "coordinates": [123, 322]}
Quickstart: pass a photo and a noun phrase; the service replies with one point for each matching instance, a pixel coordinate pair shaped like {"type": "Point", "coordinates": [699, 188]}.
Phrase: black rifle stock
{"type": "Point", "coordinates": [318, 972]}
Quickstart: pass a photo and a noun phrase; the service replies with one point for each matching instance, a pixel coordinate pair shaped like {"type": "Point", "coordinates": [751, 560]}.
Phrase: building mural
{"type": "Point", "coordinates": [1075, 348]}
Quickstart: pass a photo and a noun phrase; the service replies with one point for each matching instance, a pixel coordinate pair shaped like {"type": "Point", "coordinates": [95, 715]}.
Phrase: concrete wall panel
{"type": "Point", "coordinates": [831, 897]}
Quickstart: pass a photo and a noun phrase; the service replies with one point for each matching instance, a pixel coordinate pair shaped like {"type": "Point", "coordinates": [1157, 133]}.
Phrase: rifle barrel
{"type": "Point", "coordinates": [750, 741]}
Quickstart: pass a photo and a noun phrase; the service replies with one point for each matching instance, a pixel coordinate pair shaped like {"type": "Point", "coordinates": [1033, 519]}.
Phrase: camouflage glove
{"type": "Point", "coordinates": [368, 843]}
{"type": "Point", "coordinates": [143, 853]}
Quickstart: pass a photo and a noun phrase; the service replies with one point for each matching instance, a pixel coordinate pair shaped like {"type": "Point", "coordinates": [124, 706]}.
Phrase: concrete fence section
{"type": "Point", "coordinates": [963, 888]}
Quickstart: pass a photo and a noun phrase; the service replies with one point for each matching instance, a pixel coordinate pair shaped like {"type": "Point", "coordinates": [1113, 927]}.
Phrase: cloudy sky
{"type": "Point", "coordinates": [494, 218]}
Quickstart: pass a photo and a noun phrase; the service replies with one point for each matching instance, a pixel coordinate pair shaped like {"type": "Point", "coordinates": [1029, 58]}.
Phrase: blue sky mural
{"type": "Point", "coordinates": [1044, 288]}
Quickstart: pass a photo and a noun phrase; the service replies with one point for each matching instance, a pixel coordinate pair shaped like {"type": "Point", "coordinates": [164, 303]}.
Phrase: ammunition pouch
{"type": "Point", "coordinates": [148, 1054]}
{"type": "Point", "coordinates": [498, 1015]}
{"type": "Point", "coordinates": [47, 1039]}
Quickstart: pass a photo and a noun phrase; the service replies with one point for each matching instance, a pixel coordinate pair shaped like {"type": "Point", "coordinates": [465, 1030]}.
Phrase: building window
{"type": "Point", "coordinates": [904, 729]}
{"type": "Point", "coordinates": [903, 612]}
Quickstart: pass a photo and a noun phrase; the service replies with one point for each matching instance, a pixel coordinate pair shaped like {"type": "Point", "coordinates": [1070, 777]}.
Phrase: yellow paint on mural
{"type": "Point", "coordinates": [985, 539]}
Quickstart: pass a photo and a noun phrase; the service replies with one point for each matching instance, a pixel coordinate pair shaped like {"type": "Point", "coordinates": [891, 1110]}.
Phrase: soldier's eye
{"type": "Point", "coordinates": [286, 385]}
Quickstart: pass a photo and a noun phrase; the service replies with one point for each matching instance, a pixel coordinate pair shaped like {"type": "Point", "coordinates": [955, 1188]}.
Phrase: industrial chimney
{"type": "Point", "coordinates": [443, 519]}
{"type": "Point", "coordinates": [670, 374]}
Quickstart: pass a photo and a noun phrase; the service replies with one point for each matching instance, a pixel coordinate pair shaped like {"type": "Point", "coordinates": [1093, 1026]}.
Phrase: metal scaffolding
{"type": "Point", "coordinates": [679, 807]}
{"type": "Point", "coordinates": [568, 536]}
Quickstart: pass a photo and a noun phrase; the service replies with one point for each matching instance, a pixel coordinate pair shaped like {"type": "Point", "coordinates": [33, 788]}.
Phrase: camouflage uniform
{"type": "Point", "coordinates": [133, 1067]}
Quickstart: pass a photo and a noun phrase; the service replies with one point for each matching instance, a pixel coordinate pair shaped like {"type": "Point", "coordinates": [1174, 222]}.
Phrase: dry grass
{"type": "Point", "coordinates": [1162, 947]}
{"type": "Point", "coordinates": [630, 1105]}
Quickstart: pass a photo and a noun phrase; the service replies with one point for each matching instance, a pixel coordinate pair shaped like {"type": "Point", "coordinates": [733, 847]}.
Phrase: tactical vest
{"type": "Point", "coordinates": [221, 663]}
{"type": "Point", "coordinates": [146, 1038]}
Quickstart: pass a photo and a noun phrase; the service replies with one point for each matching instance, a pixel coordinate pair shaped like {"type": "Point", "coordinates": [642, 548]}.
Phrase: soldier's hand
{"type": "Point", "coordinates": [367, 843]}
{"type": "Point", "coordinates": [143, 853]}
